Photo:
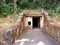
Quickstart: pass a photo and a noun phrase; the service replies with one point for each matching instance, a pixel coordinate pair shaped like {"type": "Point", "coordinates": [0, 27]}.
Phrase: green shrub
{"type": "Point", "coordinates": [52, 13]}
{"type": "Point", "coordinates": [6, 9]}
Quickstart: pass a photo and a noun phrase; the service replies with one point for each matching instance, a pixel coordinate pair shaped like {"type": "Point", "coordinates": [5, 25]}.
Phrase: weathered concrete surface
{"type": "Point", "coordinates": [8, 36]}
{"type": "Point", "coordinates": [51, 28]}
{"type": "Point", "coordinates": [35, 37]}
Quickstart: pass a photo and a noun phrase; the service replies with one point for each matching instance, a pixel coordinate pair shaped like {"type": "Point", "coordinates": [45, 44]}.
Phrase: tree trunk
{"type": "Point", "coordinates": [15, 5]}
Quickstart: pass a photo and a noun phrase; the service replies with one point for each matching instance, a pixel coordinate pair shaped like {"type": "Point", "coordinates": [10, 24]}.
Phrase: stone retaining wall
{"type": "Point", "coordinates": [51, 28]}
{"type": "Point", "coordinates": [13, 32]}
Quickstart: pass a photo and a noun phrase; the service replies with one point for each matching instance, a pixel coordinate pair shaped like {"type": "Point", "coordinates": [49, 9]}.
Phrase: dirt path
{"type": "Point", "coordinates": [35, 37]}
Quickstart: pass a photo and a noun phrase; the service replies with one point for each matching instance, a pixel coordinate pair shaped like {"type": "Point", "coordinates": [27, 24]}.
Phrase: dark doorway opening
{"type": "Point", "coordinates": [36, 22]}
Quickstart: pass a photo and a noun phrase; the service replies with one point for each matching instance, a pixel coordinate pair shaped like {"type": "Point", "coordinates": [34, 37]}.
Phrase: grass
{"type": "Point", "coordinates": [12, 20]}
{"type": "Point", "coordinates": [5, 25]}
{"type": "Point", "coordinates": [56, 18]}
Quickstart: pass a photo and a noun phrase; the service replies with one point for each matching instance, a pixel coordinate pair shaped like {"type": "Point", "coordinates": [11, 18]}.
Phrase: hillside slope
{"type": "Point", "coordinates": [56, 19]}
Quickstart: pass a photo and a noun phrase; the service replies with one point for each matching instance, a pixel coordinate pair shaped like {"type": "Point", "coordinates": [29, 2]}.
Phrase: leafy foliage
{"type": "Point", "coordinates": [7, 6]}
{"type": "Point", "coordinates": [6, 9]}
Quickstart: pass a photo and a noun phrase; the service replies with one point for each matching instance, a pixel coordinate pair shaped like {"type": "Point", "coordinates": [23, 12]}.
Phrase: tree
{"type": "Point", "coordinates": [15, 6]}
{"type": "Point", "coordinates": [15, 3]}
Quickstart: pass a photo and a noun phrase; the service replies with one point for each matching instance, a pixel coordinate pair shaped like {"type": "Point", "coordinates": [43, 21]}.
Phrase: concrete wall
{"type": "Point", "coordinates": [11, 34]}
{"type": "Point", "coordinates": [26, 20]}
{"type": "Point", "coordinates": [51, 28]}
{"type": "Point", "coordinates": [30, 19]}
{"type": "Point", "coordinates": [41, 21]}
{"type": "Point", "coordinates": [29, 14]}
